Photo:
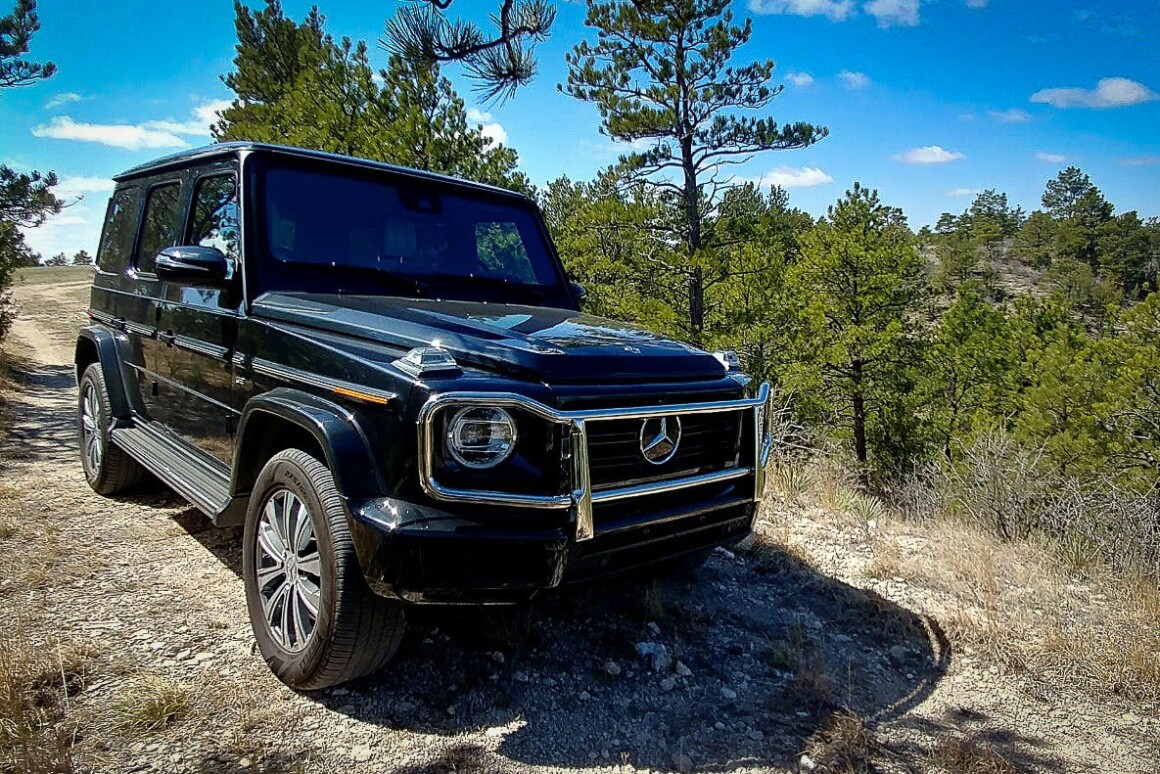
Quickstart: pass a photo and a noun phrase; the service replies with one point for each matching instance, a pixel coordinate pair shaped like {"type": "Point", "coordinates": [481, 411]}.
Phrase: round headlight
{"type": "Point", "coordinates": [481, 437]}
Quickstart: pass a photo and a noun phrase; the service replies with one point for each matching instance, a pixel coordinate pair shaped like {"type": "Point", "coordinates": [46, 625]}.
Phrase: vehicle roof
{"type": "Point", "coordinates": [207, 153]}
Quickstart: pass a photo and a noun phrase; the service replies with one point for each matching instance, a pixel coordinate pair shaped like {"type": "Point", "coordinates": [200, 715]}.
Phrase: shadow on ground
{"type": "Point", "coordinates": [760, 649]}
{"type": "Point", "coordinates": [48, 419]}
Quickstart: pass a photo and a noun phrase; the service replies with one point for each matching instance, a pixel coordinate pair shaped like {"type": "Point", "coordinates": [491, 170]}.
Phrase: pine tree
{"type": "Point", "coordinates": [659, 73]}
{"type": "Point", "coordinates": [421, 34]}
{"type": "Point", "coordinates": [860, 289]}
{"type": "Point", "coordinates": [26, 198]}
{"type": "Point", "coordinates": [296, 85]}
{"type": "Point", "coordinates": [16, 31]}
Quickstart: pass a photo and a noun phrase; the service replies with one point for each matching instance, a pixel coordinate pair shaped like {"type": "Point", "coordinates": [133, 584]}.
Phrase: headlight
{"type": "Point", "coordinates": [481, 437]}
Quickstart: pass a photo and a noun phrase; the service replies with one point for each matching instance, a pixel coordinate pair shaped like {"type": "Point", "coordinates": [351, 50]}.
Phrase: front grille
{"type": "Point", "coordinates": [709, 443]}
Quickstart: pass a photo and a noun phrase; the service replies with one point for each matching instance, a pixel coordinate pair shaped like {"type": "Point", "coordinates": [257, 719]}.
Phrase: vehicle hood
{"type": "Point", "coordinates": [545, 344]}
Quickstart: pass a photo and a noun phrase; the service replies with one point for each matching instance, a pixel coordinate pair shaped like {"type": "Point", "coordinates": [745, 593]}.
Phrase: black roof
{"type": "Point", "coordinates": [209, 152]}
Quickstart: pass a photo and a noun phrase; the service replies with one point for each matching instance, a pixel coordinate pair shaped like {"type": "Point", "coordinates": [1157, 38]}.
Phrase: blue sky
{"type": "Point", "coordinates": [927, 100]}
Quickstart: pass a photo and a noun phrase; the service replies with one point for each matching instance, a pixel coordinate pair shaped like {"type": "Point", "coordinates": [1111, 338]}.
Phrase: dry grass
{"type": "Point", "coordinates": [1022, 608]}
{"type": "Point", "coordinates": [958, 755]}
{"type": "Point", "coordinates": [37, 681]}
{"type": "Point", "coordinates": [1052, 608]}
{"type": "Point", "coordinates": [888, 561]}
{"type": "Point", "coordinates": [844, 745]}
{"type": "Point", "coordinates": [151, 702]}
{"type": "Point", "coordinates": [51, 275]}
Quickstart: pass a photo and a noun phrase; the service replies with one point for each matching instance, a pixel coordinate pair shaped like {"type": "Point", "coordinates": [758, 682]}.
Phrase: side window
{"type": "Point", "coordinates": [159, 224]}
{"type": "Point", "coordinates": [215, 215]}
{"type": "Point", "coordinates": [501, 250]}
{"type": "Point", "coordinates": [117, 234]}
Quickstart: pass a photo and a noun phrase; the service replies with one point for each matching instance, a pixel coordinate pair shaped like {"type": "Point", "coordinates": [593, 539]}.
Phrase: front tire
{"type": "Point", "coordinates": [316, 621]}
{"type": "Point", "coordinates": [108, 468]}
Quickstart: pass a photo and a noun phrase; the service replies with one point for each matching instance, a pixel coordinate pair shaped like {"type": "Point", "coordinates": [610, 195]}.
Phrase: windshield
{"type": "Point", "coordinates": [325, 229]}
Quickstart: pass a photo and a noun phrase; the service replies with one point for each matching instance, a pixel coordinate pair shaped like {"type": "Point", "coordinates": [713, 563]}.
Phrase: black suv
{"type": "Point", "coordinates": [384, 375]}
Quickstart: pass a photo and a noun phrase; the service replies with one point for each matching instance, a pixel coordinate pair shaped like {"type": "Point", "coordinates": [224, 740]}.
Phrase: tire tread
{"type": "Point", "coordinates": [120, 473]}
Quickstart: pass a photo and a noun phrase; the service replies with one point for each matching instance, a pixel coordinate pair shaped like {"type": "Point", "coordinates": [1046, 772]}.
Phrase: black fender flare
{"type": "Point", "coordinates": [104, 342]}
{"type": "Point", "coordinates": [334, 428]}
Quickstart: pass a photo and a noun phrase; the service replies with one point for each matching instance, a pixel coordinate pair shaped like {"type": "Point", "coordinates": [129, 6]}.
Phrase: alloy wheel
{"type": "Point", "coordinates": [92, 439]}
{"type": "Point", "coordinates": [289, 570]}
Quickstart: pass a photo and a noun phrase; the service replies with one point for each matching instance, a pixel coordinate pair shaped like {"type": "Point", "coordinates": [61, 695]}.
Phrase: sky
{"type": "Point", "coordinates": [929, 101]}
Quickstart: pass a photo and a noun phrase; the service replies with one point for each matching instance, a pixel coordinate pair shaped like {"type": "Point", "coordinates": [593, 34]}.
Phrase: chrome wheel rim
{"type": "Point", "coordinates": [92, 440]}
{"type": "Point", "coordinates": [289, 570]}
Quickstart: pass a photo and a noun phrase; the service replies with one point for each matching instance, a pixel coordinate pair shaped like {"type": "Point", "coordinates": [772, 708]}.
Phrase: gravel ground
{"type": "Point", "coordinates": [739, 667]}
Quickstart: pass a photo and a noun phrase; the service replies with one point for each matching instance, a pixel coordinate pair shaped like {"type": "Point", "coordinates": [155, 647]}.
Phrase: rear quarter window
{"type": "Point", "coordinates": [160, 224]}
{"type": "Point", "coordinates": [119, 229]}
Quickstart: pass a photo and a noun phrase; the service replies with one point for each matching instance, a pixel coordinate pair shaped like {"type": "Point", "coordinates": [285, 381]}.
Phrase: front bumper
{"type": "Point", "coordinates": [420, 554]}
{"type": "Point", "coordinates": [492, 546]}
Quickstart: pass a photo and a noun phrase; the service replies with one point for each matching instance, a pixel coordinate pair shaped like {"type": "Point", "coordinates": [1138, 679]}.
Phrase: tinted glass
{"type": "Point", "coordinates": [117, 234]}
{"type": "Point", "coordinates": [215, 214]}
{"type": "Point", "coordinates": [401, 237]}
{"type": "Point", "coordinates": [159, 224]}
{"type": "Point", "coordinates": [501, 250]}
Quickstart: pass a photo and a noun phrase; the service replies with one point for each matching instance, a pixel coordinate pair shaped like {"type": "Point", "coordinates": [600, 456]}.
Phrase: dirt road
{"type": "Point", "coordinates": [752, 660]}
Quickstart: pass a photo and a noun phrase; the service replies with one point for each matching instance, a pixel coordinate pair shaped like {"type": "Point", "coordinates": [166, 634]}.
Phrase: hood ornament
{"type": "Point", "coordinates": [659, 438]}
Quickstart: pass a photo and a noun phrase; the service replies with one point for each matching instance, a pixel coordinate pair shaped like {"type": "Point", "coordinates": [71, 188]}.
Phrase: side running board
{"type": "Point", "coordinates": [206, 485]}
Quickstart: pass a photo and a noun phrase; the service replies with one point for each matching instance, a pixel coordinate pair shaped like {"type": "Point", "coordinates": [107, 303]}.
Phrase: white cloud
{"type": "Point", "coordinates": [62, 98]}
{"type": "Point", "coordinates": [1141, 161]}
{"type": "Point", "coordinates": [1012, 116]}
{"type": "Point", "coordinates": [834, 10]}
{"type": "Point", "coordinates": [79, 184]}
{"type": "Point", "coordinates": [800, 79]}
{"type": "Point", "coordinates": [930, 154]}
{"type": "Point", "coordinates": [794, 177]}
{"type": "Point", "coordinates": [493, 130]}
{"type": "Point", "coordinates": [77, 228]}
{"type": "Point", "coordinates": [204, 117]}
{"type": "Point", "coordinates": [854, 80]}
{"type": "Point", "coordinates": [1108, 93]}
{"type": "Point", "coordinates": [1051, 158]}
{"type": "Point", "coordinates": [165, 133]}
{"type": "Point", "coordinates": [960, 192]}
{"type": "Point", "coordinates": [889, 13]}
{"type": "Point", "coordinates": [128, 136]}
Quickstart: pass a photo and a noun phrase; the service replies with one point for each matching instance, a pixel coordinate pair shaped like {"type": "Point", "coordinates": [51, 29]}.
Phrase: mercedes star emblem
{"type": "Point", "coordinates": [659, 438]}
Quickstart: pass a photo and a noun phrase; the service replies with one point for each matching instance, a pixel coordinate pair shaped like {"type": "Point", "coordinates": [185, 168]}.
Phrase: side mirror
{"type": "Point", "coordinates": [578, 292]}
{"type": "Point", "coordinates": [192, 265]}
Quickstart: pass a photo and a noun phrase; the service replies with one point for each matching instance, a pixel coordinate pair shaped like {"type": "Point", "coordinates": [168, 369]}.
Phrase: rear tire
{"type": "Point", "coordinates": [108, 468]}
{"type": "Point", "coordinates": [316, 621]}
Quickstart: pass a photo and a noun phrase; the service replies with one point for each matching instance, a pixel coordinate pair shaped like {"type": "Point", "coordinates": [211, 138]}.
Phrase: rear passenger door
{"type": "Point", "coordinates": [197, 325]}
{"type": "Point", "coordinates": [159, 224]}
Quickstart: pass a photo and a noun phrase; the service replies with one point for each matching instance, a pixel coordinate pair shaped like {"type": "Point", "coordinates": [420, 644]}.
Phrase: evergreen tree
{"type": "Point", "coordinates": [1125, 253]}
{"type": "Point", "coordinates": [501, 62]}
{"type": "Point", "coordinates": [659, 72]}
{"type": "Point", "coordinates": [860, 289]}
{"type": "Point", "coordinates": [26, 198]}
{"type": "Point", "coordinates": [82, 258]}
{"type": "Point", "coordinates": [1063, 194]}
{"type": "Point", "coordinates": [295, 84]}
{"type": "Point", "coordinates": [16, 31]}
{"type": "Point", "coordinates": [1035, 242]}
{"type": "Point", "coordinates": [968, 372]}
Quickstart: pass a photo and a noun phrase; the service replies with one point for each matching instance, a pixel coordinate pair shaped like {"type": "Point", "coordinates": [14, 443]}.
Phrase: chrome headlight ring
{"type": "Point", "coordinates": [481, 437]}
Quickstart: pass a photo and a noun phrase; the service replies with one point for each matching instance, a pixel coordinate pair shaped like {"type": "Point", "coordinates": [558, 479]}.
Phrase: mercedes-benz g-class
{"type": "Point", "coordinates": [385, 376]}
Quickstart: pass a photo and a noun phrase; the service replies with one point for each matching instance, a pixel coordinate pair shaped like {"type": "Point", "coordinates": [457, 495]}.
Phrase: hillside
{"type": "Point", "coordinates": [841, 633]}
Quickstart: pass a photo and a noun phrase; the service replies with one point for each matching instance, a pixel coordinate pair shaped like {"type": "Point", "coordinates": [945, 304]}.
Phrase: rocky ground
{"type": "Point", "coordinates": [800, 650]}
